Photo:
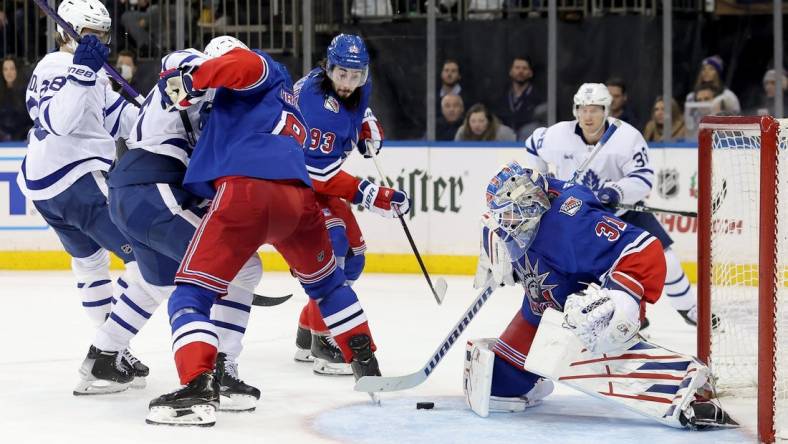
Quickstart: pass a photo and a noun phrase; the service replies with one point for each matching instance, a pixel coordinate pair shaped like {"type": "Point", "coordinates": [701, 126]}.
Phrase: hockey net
{"type": "Point", "coordinates": [742, 263]}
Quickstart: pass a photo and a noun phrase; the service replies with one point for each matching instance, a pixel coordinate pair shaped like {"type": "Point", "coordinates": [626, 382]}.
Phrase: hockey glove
{"type": "Point", "coordinates": [494, 258]}
{"type": "Point", "coordinates": [371, 136]}
{"type": "Point", "coordinates": [176, 88]}
{"type": "Point", "coordinates": [387, 202]}
{"type": "Point", "coordinates": [368, 146]}
{"type": "Point", "coordinates": [91, 53]}
{"type": "Point", "coordinates": [609, 196]}
{"type": "Point", "coordinates": [603, 319]}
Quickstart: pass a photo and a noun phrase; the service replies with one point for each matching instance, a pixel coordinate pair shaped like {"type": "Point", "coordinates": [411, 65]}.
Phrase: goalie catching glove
{"type": "Point", "coordinates": [603, 319]}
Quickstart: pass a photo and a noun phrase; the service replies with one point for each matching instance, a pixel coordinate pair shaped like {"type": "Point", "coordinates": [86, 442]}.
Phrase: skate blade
{"type": "Point", "coordinates": [200, 415]}
{"type": "Point", "coordinates": [139, 383]}
{"type": "Point", "coordinates": [302, 355]}
{"type": "Point", "coordinates": [237, 403]}
{"type": "Point", "coordinates": [325, 368]}
{"type": "Point", "coordinates": [99, 387]}
{"type": "Point", "coordinates": [375, 397]}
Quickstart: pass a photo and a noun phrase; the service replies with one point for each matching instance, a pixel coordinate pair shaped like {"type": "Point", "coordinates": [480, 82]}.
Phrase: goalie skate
{"type": "Point", "coordinates": [103, 372]}
{"type": "Point", "coordinates": [328, 358]}
{"type": "Point", "coordinates": [193, 405]}
{"type": "Point", "coordinates": [303, 346]}
{"type": "Point", "coordinates": [704, 414]}
{"type": "Point", "coordinates": [234, 394]}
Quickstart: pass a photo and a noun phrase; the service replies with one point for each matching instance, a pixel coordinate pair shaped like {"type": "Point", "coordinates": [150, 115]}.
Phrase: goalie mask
{"type": "Point", "coordinates": [517, 199]}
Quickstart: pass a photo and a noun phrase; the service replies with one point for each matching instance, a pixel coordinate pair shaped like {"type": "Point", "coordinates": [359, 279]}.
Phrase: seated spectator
{"type": "Point", "coordinates": [654, 130]}
{"type": "Point", "coordinates": [705, 102]}
{"type": "Point", "coordinates": [711, 73]}
{"type": "Point", "coordinates": [517, 106]}
{"type": "Point", "coordinates": [14, 120]}
{"type": "Point", "coordinates": [765, 103]}
{"type": "Point", "coordinates": [450, 120]}
{"type": "Point", "coordinates": [619, 108]}
{"type": "Point", "coordinates": [480, 124]}
{"type": "Point", "coordinates": [450, 79]}
{"type": "Point", "coordinates": [126, 65]}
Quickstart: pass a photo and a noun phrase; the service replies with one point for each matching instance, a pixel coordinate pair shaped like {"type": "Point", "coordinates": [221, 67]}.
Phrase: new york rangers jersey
{"type": "Point", "coordinates": [77, 117]}
{"type": "Point", "coordinates": [580, 242]}
{"type": "Point", "coordinates": [623, 160]}
{"type": "Point", "coordinates": [255, 128]}
{"type": "Point", "coordinates": [160, 144]}
{"type": "Point", "coordinates": [334, 128]}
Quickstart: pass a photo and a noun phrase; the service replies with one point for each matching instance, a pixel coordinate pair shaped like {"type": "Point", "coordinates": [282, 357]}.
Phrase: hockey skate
{"type": "Point", "coordinates": [328, 357]}
{"type": "Point", "coordinates": [303, 346]}
{"type": "Point", "coordinates": [103, 372]}
{"type": "Point", "coordinates": [364, 361]}
{"type": "Point", "coordinates": [192, 405]}
{"type": "Point", "coordinates": [139, 369]}
{"type": "Point", "coordinates": [703, 414]}
{"type": "Point", "coordinates": [691, 317]}
{"type": "Point", "coordinates": [235, 395]}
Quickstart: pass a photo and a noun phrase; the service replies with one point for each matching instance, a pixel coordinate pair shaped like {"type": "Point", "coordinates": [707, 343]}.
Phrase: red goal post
{"type": "Point", "coordinates": [738, 169]}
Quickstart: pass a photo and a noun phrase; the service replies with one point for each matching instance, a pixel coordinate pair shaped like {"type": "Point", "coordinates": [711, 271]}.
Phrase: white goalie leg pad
{"type": "Point", "coordinates": [642, 377]}
{"type": "Point", "coordinates": [477, 376]}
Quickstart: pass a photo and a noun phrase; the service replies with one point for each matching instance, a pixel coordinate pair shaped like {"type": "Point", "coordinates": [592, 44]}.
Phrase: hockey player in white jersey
{"type": "Point", "coordinates": [159, 217]}
{"type": "Point", "coordinates": [619, 173]}
{"type": "Point", "coordinates": [77, 117]}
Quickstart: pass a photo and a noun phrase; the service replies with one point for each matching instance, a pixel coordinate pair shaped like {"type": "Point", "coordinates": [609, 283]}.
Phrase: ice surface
{"type": "Point", "coordinates": [45, 335]}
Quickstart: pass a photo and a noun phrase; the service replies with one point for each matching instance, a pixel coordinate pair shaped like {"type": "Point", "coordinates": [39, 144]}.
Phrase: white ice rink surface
{"type": "Point", "coordinates": [45, 335]}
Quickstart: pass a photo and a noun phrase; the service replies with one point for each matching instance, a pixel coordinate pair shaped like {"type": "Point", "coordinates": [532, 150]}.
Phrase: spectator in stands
{"type": "Point", "coordinates": [14, 120]}
{"type": "Point", "coordinates": [711, 73]}
{"type": "Point", "coordinates": [654, 129]}
{"type": "Point", "coordinates": [480, 124]}
{"type": "Point", "coordinates": [450, 79]}
{"type": "Point", "coordinates": [517, 107]}
{"type": "Point", "coordinates": [126, 65]}
{"type": "Point", "coordinates": [765, 102]}
{"type": "Point", "coordinates": [450, 120]}
{"type": "Point", "coordinates": [619, 108]}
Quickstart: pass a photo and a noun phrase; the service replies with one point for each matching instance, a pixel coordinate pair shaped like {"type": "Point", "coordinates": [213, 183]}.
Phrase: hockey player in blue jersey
{"type": "Point", "coordinates": [77, 118]}
{"type": "Point", "coordinates": [249, 160]}
{"type": "Point", "coordinates": [334, 100]}
{"type": "Point", "coordinates": [572, 255]}
{"type": "Point", "coordinates": [158, 217]}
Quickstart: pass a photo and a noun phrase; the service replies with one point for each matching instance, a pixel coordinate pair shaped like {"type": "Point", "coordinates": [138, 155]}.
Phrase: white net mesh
{"type": "Point", "coordinates": [734, 257]}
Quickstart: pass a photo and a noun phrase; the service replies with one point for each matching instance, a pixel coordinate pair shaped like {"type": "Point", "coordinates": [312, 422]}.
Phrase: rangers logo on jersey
{"type": "Point", "coordinates": [571, 206]}
{"type": "Point", "coordinates": [331, 104]}
{"type": "Point", "coordinates": [540, 295]}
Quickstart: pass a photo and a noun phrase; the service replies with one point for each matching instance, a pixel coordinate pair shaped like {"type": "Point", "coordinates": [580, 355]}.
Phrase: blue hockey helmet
{"type": "Point", "coordinates": [517, 199]}
{"type": "Point", "coordinates": [348, 52]}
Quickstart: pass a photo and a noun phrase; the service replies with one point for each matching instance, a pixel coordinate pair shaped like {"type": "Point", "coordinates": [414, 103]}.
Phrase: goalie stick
{"type": "Point", "coordinates": [372, 384]}
{"type": "Point", "coordinates": [440, 287]}
{"type": "Point", "coordinates": [136, 98]}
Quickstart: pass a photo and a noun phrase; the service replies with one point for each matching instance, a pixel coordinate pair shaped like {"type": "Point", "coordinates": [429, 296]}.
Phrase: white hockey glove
{"type": "Point", "coordinates": [605, 320]}
{"type": "Point", "coordinates": [177, 89]}
{"type": "Point", "coordinates": [385, 201]}
{"type": "Point", "coordinates": [494, 258]}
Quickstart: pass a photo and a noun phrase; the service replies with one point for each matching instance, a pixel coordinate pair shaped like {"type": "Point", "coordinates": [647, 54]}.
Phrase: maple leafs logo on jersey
{"type": "Point", "coordinates": [540, 295]}
{"type": "Point", "coordinates": [592, 180]}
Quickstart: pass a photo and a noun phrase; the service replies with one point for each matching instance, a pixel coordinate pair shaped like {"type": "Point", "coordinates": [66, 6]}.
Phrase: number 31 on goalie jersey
{"type": "Point", "coordinates": [609, 228]}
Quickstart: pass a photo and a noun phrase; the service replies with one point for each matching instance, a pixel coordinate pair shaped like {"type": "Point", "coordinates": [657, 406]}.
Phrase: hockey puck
{"type": "Point", "coordinates": [425, 405]}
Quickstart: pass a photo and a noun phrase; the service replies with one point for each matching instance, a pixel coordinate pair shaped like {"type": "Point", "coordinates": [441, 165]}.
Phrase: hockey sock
{"type": "Point", "coordinates": [230, 314]}
{"type": "Point", "coordinates": [315, 318]}
{"type": "Point", "coordinates": [345, 318]}
{"type": "Point", "coordinates": [303, 318]}
{"type": "Point", "coordinates": [94, 284]}
{"type": "Point", "coordinates": [194, 338]}
{"type": "Point", "coordinates": [677, 287]}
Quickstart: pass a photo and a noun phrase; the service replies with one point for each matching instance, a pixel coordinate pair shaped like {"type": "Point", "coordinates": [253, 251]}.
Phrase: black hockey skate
{"type": "Point", "coordinates": [103, 372]}
{"type": "Point", "coordinates": [691, 318]}
{"type": "Point", "coordinates": [329, 360]}
{"type": "Point", "coordinates": [235, 395]}
{"type": "Point", "coordinates": [644, 324]}
{"type": "Point", "coordinates": [140, 370]}
{"type": "Point", "coordinates": [193, 405]}
{"type": "Point", "coordinates": [364, 361]}
{"type": "Point", "coordinates": [303, 345]}
{"type": "Point", "coordinates": [704, 414]}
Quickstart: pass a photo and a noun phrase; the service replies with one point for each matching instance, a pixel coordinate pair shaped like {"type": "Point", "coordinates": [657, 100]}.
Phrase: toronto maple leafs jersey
{"type": "Point", "coordinates": [77, 117]}
{"type": "Point", "coordinates": [160, 144]}
{"type": "Point", "coordinates": [255, 128]}
{"type": "Point", "coordinates": [580, 242]}
{"type": "Point", "coordinates": [333, 127]}
{"type": "Point", "coordinates": [622, 162]}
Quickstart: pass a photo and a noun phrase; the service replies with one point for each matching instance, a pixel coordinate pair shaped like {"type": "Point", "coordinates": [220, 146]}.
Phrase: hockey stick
{"type": "Point", "coordinates": [440, 287]}
{"type": "Point", "coordinates": [373, 384]}
{"type": "Point", "coordinates": [647, 209]}
{"type": "Point", "coordinates": [269, 301]}
{"type": "Point", "coordinates": [605, 137]}
{"type": "Point", "coordinates": [136, 98]}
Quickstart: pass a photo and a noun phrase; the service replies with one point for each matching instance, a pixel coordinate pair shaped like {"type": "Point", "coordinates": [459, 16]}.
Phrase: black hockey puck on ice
{"type": "Point", "coordinates": [425, 405]}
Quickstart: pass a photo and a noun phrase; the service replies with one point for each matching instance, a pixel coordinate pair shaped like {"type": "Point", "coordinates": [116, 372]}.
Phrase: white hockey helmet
{"type": "Point", "coordinates": [81, 14]}
{"type": "Point", "coordinates": [592, 94]}
{"type": "Point", "coordinates": [219, 46]}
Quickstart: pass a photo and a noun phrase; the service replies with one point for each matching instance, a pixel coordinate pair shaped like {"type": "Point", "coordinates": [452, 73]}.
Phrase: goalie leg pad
{"type": "Point", "coordinates": [478, 374]}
